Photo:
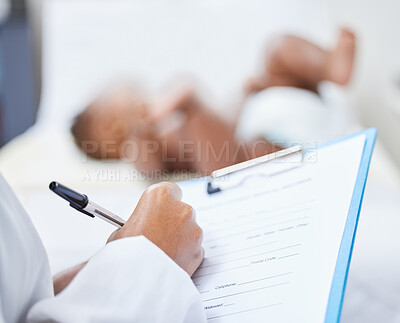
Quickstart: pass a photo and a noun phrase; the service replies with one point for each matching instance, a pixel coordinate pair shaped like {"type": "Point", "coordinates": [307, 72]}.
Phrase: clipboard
{"type": "Point", "coordinates": [226, 171]}
{"type": "Point", "coordinates": [336, 295]}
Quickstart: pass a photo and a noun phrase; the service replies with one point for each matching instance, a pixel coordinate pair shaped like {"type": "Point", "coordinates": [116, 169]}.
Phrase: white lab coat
{"type": "Point", "coordinates": [129, 280]}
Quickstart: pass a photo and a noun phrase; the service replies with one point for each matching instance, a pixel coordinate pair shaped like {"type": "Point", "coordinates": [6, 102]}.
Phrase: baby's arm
{"type": "Point", "coordinates": [214, 143]}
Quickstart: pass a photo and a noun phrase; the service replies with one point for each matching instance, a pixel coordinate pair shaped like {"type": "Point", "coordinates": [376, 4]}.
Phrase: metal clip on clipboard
{"type": "Point", "coordinates": [286, 154]}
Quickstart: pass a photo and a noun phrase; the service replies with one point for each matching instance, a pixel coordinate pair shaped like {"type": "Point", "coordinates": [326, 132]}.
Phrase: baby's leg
{"type": "Point", "coordinates": [296, 62]}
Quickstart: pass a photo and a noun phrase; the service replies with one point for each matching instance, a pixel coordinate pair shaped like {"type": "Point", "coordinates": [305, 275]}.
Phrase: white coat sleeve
{"type": "Point", "coordinates": [129, 280]}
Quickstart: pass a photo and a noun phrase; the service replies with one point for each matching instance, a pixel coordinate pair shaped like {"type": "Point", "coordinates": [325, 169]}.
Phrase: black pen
{"type": "Point", "coordinates": [81, 203]}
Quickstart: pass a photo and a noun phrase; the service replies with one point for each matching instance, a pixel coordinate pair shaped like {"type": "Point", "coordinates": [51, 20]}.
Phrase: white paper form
{"type": "Point", "coordinates": [271, 244]}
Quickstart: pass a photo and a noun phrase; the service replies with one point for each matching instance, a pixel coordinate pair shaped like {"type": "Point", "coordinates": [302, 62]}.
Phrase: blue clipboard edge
{"type": "Point", "coordinates": [336, 295]}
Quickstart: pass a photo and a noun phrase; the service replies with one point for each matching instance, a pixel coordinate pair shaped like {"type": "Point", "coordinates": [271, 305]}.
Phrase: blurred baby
{"type": "Point", "coordinates": [178, 132]}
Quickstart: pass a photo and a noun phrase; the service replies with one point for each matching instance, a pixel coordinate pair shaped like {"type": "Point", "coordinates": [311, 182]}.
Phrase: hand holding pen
{"type": "Point", "coordinates": [160, 216]}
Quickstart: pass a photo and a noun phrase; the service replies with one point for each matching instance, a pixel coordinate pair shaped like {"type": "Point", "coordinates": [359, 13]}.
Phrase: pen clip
{"type": "Point", "coordinates": [78, 208]}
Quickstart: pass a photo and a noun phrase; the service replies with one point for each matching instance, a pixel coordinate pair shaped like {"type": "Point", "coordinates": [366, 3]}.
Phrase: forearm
{"type": "Point", "coordinates": [62, 280]}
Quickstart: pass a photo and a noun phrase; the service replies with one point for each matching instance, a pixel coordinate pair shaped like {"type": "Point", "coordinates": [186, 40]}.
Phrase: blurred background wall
{"type": "Point", "coordinates": [374, 93]}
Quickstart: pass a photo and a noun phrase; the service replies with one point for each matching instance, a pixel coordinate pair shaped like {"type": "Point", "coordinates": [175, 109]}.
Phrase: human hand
{"type": "Point", "coordinates": [170, 224]}
{"type": "Point", "coordinates": [181, 98]}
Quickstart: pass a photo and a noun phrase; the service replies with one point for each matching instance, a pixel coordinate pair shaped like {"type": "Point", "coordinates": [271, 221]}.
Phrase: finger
{"type": "Point", "coordinates": [193, 214]}
{"type": "Point", "coordinates": [112, 236]}
{"type": "Point", "coordinates": [201, 256]}
{"type": "Point", "coordinates": [197, 262]}
{"type": "Point", "coordinates": [172, 188]}
{"type": "Point", "coordinates": [151, 196]}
